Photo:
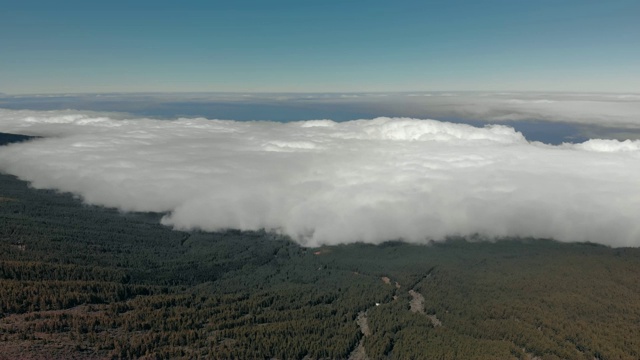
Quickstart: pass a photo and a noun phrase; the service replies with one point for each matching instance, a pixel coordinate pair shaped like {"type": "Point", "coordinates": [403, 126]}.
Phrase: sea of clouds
{"type": "Point", "coordinates": [601, 110]}
{"type": "Point", "coordinates": [326, 182]}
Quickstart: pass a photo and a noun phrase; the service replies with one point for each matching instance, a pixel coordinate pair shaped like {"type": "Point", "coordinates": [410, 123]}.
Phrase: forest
{"type": "Point", "coordinates": [85, 282]}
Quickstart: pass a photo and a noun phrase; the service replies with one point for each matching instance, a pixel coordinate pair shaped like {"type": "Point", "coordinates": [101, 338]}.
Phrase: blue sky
{"type": "Point", "coordinates": [319, 46]}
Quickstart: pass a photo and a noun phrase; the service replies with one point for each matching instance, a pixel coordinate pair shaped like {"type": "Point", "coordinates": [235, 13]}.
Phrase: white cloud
{"type": "Point", "coordinates": [602, 110]}
{"type": "Point", "coordinates": [323, 182]}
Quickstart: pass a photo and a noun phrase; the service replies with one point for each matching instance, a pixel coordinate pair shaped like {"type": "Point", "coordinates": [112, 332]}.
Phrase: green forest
{"type": "Point", "coordinates": [86, 282]}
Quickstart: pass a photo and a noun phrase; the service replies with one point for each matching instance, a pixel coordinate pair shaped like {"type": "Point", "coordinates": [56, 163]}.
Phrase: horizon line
{"type": "Point", "coordinates": [312, 92]}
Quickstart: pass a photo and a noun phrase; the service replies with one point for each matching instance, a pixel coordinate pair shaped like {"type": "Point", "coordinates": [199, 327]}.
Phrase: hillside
{"type": "Point", "coordinates": [85, 282]}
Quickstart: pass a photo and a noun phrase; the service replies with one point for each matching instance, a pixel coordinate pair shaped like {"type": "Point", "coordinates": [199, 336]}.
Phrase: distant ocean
{"type": "Point", "coordinates": [296, 107]}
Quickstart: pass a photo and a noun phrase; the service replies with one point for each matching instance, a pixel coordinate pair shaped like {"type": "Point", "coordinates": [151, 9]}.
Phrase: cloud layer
{"type": "Point", "coordinates": [594, 111]}
{"type": "Point", "coordinates": [601, 110]}
{"type": "Point", "coordinates": [323, 182]}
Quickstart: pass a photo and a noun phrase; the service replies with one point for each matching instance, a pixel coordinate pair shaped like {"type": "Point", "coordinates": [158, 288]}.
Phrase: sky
{"type": "Point", "coordinates": [319, 46]}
